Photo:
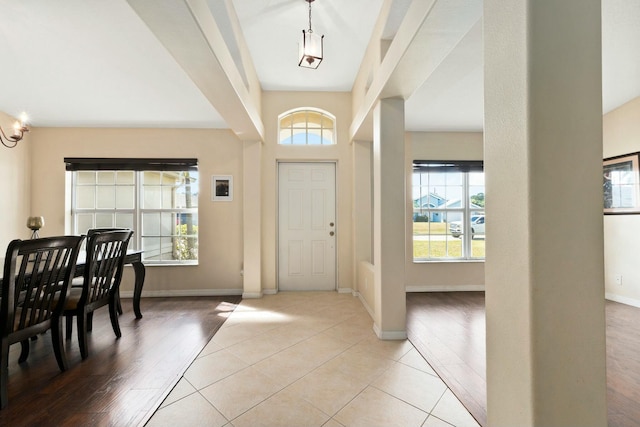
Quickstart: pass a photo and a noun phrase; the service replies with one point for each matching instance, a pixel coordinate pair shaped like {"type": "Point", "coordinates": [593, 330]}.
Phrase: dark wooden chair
{"type": "Point", "coordinates": [100, 284]}
{"type": "Point", "coordinates": [36, 279]}
{"type": "Point", "coordinates": [90, 233]}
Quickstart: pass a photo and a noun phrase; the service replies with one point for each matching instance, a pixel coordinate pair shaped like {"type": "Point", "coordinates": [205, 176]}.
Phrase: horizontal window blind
{"type": "Point", "coordinates": [448, 166]}
{"type": "Point", "coordinates": [148, 164]}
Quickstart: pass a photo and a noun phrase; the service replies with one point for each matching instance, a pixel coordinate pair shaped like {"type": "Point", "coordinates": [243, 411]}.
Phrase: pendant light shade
{"type": "Point", "coordinates": [311, 50]}
{"type": "Point", "coordinates": [311, 47]}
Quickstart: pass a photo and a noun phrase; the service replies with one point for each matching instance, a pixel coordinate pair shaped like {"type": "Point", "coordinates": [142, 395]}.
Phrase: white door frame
{"type": "Point", "coordinates": [277, 207]}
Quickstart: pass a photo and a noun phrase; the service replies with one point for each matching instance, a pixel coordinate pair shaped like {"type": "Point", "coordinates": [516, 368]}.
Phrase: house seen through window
{"type": "Point", "coordinates": [158, 199]}
{"type": "Point", "coordinates": [306, 126]}
{"type": "Point", "coordinates": [448, 210]}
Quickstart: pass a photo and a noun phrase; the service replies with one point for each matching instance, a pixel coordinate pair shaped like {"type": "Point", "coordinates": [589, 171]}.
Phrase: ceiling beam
{"type": "Point", "coordinates": [429, 33]}
{"type": "Point", "coordinates": [189, 32]}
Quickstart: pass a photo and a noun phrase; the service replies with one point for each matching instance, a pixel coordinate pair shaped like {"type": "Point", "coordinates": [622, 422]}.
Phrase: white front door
{"type": "Point", "coordinates": [307, 226]}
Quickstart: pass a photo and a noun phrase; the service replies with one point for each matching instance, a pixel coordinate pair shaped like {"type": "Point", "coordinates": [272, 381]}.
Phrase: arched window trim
{"type": "Point", "coordinates": [320, 111]}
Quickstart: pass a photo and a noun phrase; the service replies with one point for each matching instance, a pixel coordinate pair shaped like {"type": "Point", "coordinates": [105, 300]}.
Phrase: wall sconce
{"type": "Point", "coordinates": [19, 128]}
{"type": "Point", "coordinates": [311, 48]}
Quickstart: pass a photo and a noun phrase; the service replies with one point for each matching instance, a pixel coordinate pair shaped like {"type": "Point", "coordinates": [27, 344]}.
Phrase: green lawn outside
{"type": "Point", "coordinates": [445, 249]}
{"type": "Point", "coordinates": [450, 248]}
{"type": "Point", "coordinates": [422, 228]}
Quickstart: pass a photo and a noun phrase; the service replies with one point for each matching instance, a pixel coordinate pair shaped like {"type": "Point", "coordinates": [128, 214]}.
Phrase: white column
{"type": "Point", "coordinates": [544, 252]}
{"type": "Point", "coordinates": [251, 209]}
{"type": "Point", "coordinates": [389, 219]}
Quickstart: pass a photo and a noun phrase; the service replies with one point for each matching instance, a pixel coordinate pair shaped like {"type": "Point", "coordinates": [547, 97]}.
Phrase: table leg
{"type": "Point", "coordinates": [139, 270]}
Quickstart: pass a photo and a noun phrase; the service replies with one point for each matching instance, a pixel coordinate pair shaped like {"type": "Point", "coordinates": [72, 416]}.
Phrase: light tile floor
{"type": "Point", "coordinates": [308, 359]}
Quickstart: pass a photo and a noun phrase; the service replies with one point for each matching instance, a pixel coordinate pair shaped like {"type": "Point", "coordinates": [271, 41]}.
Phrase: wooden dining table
{"type": "Point", "coordinates": [133, 258]}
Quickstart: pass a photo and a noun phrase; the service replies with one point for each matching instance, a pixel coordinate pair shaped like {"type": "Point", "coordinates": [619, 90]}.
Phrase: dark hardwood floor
{"type": "Point", "coordinates": [448, 329]}
{"type": "Point", "coordinates": [122, 381]}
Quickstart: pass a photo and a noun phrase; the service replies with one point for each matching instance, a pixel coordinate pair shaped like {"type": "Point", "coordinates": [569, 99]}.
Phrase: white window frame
{"type": "Point", "coordinates": [324, 114]}
{"type": "Point", "coordinates": [138, 211]}
{"type": "Point", "coordinates": [464, 211]}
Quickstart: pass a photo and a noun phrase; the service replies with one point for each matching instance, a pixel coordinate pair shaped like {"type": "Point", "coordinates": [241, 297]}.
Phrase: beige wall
{"type": "Point", "coordinates": [15, 186]}
{"type": "Point", "coordinates": [219, 152]}
{"type": "Point", "coordinates": [220, 233]}
{"type": "Point", "coordinates": [338, 104]}
{"type": "Point", "coordinates": [621, 135]}
{"type": "Point", "coordinates": [437, 276]}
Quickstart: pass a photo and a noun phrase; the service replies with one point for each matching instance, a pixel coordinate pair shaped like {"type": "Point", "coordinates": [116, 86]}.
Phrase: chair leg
{"type": "Point", "coordinates": [4, 374]}
{"type": "Point", "coordinates": [57, 340]}
{"type": "Point", "coordinates": [69, 324]}
{"type": "Point", "coordinates": [82, 333]}
{"type": "Point", "coordinates": [90, 321]}
{"type": "Point", "coordinates": [24, 353]}
{"type": "Point", "coordinates": [113, 314]}
{"type": "Point", "coordinates": [119, 303]}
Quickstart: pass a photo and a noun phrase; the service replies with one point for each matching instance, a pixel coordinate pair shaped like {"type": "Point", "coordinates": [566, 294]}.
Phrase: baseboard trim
{"type": "Point", "coordinates": [251, 295]}
{"type": "Point", "coordinates": [345, 291]}
{"type": "Point", "coordinates": [364, 303]}
{"type": "Point", "coordinates": [622, 300]}
{"type": "Point", "coordinates": [389, 335]}
{"type": "Point", "coordinates": [444, 288]}
{"type": "Point", "coordinates": [184, 293]}
{"type": "Point", "coordinates": [270, 291]}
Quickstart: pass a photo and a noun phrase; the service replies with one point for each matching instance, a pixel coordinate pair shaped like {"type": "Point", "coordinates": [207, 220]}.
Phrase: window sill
{"type": "Point", "coordinates": [447, 261]}
{"type": "Point", "coordinates": [172, 264]}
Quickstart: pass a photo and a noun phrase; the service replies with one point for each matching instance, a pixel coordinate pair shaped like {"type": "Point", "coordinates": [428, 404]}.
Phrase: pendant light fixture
{"type": "Point", "coordinates": [311, 46]}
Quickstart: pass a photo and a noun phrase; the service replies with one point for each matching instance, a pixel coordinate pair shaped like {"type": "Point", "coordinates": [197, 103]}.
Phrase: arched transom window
{"type": "Point", "coordinates": [306, 126]}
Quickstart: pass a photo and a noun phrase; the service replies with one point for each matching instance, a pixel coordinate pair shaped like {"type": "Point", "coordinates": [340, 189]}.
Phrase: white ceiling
{"type": "Point", "coordinates": [94, 63]}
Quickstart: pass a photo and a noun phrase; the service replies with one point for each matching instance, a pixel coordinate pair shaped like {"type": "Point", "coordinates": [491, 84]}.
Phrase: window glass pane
{"type": "Point", "coordinates": [186, 248]}
{"type": "Point", "coordinates": [84, 221]}
{"type": "Point", "coordinates": [106, 197]}
{"type": "Point", "coordinates": [106, 177]}
{"type": "Point", "coordinates": [454, 178]}
{"type": "Point", "coordinates": [151, 197]}
{"type": "Point", "coordinates": [437, 178]}
{"type": "Point", "coordinates": [476, 190]}
{"type": "Point", "coordinates": [438, 195]}
{"type": "Point", "coordinates": [477, 247]}
{"type": "Point", "coordinates": [186, 197]}
{"type": "Point", "coordinates": [454, 197]}
{"type": "Point", "coordinates": [314, 137]}
{"type": "Point", "coordinates": [125, 197]}
{"type": "Point", "coordinates": [86, 177]}
{"type": "Point", "coordinates": [166, 248]}
{"type": "Point", "coordinates": [285, 136]}
{"type": "Point", "coordinates": [187, 224]}
{"type": "Point", "coordinates": [299, 137]}
{"type": "Point", "coordinates": [314, 120]}
{"type": "Point", "coordinates": [327, 136]}
{"type": "Point", "coordinates": [327, 122]}
{"type": "Point", "coordinates": [151, 248]}
{"type": "Point", "coordinates": [125, 177]}
{"type": "Point", "coordinates": [286, 122]}
{"type": "Point", "coordinates": [299, 119]}
{"type": "Point", "coordinates": [104, 220]}
{"type": "Point", "coordinates": [124, 220]}
{"type": "Point", "coordinates": [167, 227]}
{"type": "Point", "coordinates": [85, 197]}
{"type": "Point", "coordinates": [151, 224]}
{"type": "Point", "coordinates": [151, 178]}
{"type": "Point", "coordinates": [454, 247]}
{"type": "Point", "coordinates": [167, 197]}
